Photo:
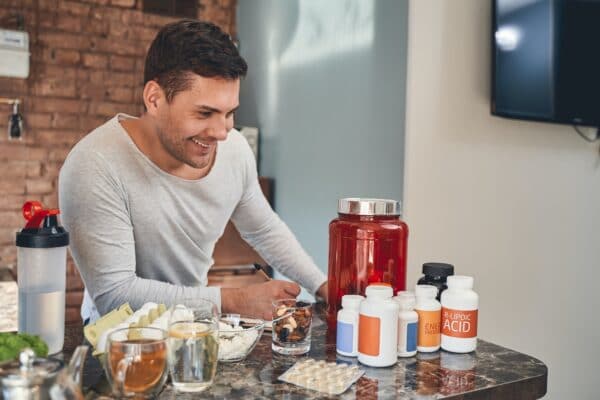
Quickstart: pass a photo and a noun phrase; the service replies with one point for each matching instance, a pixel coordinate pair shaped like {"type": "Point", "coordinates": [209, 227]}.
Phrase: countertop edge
{"type": "Point", "coordinates": [534, 387]}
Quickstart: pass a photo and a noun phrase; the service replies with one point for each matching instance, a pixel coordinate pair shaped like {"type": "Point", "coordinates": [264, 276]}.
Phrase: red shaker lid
{"type": "Point", "coordinates": [42, 229]}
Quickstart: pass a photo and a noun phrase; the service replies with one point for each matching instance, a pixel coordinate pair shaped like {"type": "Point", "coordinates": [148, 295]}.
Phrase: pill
{"type": "Point", "coordinates": [292, 375]}
{"type": "Point", "coordinates": [313, 369]}
{"type": "Point", "coordinates": [331, 381]}
{"type": "Point", "coordinates": [301, 379]}
{"type": "Point", "coordinates": [333, 377]}
{"type": "Point", "coordinates": [336, 388]}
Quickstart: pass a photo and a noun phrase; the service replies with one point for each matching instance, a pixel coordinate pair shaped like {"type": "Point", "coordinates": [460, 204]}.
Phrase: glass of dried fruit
{"type": "Point", "coordinates": [292, 320]}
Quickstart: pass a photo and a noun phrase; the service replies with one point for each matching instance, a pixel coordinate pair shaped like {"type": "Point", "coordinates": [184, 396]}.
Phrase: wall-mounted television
{"type": "Point", "coordinates": [546, 60]}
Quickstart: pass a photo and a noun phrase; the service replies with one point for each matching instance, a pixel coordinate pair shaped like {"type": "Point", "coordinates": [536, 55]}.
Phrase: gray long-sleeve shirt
{"type": "Point", "coordinates": [140, 234]}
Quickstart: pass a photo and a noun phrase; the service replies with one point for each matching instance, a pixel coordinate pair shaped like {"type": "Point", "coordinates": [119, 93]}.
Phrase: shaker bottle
{"type": "Point", "coordinates": [41, 268]}
{"type": "Point", "coordinates": [367, 244]}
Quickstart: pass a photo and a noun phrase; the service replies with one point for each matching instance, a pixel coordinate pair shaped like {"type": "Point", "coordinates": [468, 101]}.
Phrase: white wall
{"type": "Point", "coordinates": [515, 204]}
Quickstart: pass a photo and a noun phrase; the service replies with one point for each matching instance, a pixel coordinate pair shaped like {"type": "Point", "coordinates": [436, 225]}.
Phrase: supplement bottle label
{"type": "Point", "coordinates": [369, 330]}
{"type": "Point", "coordinates": [429, 328]}
{"type": "Point", "coordinates": [407, 330]}
{"type": "Point", "coordinates": [344, 337]}
{"type": "Point", "coordinates": [459, 323]}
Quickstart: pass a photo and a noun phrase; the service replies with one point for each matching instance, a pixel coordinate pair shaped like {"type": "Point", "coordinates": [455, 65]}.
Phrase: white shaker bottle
{"type": "Point", "coordinates": [41, 268]}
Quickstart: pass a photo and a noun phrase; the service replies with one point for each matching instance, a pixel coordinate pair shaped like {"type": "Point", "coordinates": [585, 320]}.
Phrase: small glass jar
{"type": "Point", "coordinates": [435, 275]}
{"type": "Point", "coordinates": [367, 244]}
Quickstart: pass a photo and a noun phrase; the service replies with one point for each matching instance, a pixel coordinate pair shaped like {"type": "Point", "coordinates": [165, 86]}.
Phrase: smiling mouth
{"type": "Point", "coordinates": [203, 145]}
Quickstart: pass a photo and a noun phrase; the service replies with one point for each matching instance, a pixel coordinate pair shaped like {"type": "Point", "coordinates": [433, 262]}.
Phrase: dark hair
{"type": "Point", "coordinates": [190, 46]}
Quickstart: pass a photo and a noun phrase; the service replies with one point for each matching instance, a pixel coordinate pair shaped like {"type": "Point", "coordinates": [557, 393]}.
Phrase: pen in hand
{"type": "Point", "coordinates": [260, 269]}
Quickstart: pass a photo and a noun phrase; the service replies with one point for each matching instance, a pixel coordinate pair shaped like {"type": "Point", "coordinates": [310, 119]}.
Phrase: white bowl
{"type": "Point", "coordinates": [238, 335]}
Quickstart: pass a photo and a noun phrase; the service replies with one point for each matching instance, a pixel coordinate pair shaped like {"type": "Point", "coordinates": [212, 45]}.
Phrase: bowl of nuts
{"type": "Point", "coordinates": [292, 320]}
{"type": "Point", "coordinates": [238, 335]}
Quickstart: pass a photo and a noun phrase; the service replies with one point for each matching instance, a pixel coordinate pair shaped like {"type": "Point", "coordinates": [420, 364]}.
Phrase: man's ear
{"type": "Point", "coordinates": [153, 96]}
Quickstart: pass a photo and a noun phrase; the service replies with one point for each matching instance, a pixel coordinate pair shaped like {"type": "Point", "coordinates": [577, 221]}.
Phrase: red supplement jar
{"type": "Point", "coordinates": [367, 244]}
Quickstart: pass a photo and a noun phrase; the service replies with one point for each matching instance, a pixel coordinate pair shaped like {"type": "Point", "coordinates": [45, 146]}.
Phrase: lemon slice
{"type": "Point", "coordinates": [189, 330]}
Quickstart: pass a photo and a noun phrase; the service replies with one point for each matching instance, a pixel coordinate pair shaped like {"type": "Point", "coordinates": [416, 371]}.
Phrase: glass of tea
{"type": "Point", "coordinates": [292, 321]}
{"type": "Point", "coordinates": [136, 363]}
{"type": "Point", "coordinates": [193, 345]}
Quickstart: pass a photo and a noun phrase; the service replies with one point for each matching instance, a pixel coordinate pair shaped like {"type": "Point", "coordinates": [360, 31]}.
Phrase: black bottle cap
{"type": "Point", "coordinates": [438, 269]}
{"type": "Point", "coordinates": [49, 235]}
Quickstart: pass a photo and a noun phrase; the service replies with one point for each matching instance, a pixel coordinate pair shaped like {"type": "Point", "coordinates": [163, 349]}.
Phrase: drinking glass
{"type": "Point", "coordinates": [136, 361]}
{"type": "Point", "coordinates": [292, 320]}
{"type": "Point", "coordinates": [193, 345]}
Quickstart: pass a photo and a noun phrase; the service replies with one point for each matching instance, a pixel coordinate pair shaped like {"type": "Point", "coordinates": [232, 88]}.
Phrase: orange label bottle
{"type": "Point", "coordinates": [378, 327]}
{"type": "Point", "coordinates": [369, 333]}
{"type": "Point", "coordinates": [428, 333]}
{"type": "Point", "coordinates": [459, 323]}
{"type": "Point", "coordinates": [429, 310]}
{"type": "Point", "coordinates": [460, 306]}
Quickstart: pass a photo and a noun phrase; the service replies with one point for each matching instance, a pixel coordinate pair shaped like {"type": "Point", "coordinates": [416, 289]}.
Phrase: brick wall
{"type": "Point", "coordinates": [87, 61]}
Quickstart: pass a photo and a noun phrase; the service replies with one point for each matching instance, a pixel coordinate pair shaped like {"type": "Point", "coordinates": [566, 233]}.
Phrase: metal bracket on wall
{"type": "Point", "coordinates": [15, 121]}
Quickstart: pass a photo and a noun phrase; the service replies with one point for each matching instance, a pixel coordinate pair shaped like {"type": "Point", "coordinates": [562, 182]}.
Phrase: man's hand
{"type": "Point", "coordinates": [255, 300]}
{"type": "Point", "coordinates": [322, 293]}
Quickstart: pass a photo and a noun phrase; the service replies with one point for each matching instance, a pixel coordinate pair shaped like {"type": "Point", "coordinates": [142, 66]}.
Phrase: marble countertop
{"type": "Point", "coordinates": [488, 373]}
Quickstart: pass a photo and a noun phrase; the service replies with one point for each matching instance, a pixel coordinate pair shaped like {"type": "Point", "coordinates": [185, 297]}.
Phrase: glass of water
{"type": "Point", "coordinates": [292, 320]}
{"type": "Point", "coordinates": [193, 345]}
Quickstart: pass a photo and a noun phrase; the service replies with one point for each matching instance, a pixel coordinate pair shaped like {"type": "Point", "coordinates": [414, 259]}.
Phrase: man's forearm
{"type": "Point", "coordinates": [136, 291]}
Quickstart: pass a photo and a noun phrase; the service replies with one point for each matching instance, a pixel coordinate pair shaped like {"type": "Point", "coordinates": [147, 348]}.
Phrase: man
{"type": "Point", "coordinates": [145, 199]}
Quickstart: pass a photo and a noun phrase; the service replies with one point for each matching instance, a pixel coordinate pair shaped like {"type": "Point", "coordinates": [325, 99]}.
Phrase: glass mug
{"type": "Point", "coordinates": [136, 361]}
{"type": "Point", "coordinates": [193, 345]}
{"type": "Point", "coordinates": [292, 320]}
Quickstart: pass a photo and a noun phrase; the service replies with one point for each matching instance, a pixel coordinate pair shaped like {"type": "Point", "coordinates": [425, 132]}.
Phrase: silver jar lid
{"type": "Point", "coordinates": [359, 206]}
{"type": "Point", "coordinates": [28, 371]}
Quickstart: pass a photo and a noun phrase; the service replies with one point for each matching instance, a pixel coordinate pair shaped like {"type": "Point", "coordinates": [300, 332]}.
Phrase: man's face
{"type": "Point", "coordinates": [190, 126]}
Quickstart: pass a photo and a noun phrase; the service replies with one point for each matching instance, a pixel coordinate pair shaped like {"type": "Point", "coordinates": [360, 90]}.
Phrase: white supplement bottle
{"type": "Point", "coordinates": [347, 325]}
{"type": "Point", "coordinates": [407, 324]}
{"type": "Point", "coordinates": [459, 315]}
{"type": "Point", "coordinates": [429, 310]}
{"type": "Point", "coordinates": [378, 327]}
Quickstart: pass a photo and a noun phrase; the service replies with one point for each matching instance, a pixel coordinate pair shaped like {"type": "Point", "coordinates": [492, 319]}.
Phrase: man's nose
{"type": "Point", "coordinates": [221, 128]}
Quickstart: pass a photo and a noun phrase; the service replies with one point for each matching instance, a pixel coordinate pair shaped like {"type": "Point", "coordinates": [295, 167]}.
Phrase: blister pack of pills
{"type": "Point", "coordinates": [322, 376]}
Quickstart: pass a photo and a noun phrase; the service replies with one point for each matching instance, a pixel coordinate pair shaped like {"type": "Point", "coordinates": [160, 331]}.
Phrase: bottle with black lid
{"type": "Point", "coordinates": [435, 275]}
{"type": "Point", "coordinates": [41, 275]}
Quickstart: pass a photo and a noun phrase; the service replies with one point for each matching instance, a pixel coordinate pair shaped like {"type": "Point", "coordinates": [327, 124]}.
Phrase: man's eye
{"type": "Point", "coordinates": [205, 114]}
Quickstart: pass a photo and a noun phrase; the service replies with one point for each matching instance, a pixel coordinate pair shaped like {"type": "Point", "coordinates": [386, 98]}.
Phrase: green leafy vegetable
{"type": "Point", "coordinates": [12, 343]}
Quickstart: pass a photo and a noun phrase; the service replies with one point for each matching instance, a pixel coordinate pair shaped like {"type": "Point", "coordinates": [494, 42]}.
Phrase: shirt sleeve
{"type": "Point", "coordinates": [262, 228]}
{"type": "Point", "coordinates": [95, 212]}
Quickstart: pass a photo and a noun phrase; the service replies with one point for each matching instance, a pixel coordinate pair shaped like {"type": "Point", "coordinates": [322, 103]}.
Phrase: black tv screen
{"type": "Point", "coordinates": [546, 60]}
